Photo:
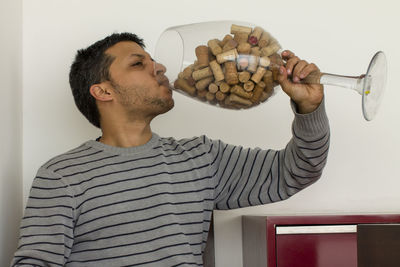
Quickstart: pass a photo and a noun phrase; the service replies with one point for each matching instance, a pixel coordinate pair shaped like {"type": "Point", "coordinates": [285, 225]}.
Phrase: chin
{"type": "Point", "coordinates": [170, 105]}
{"type": "Point", "coordinates": [165, 105]}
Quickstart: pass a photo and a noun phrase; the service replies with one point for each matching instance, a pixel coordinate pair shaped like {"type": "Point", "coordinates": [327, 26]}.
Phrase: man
{"type": "Point", "coordinates": [132, 198]}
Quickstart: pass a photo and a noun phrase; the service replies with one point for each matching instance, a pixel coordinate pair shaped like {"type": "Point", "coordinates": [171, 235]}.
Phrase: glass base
{"type": "Point", "coordinates": [374, 85]}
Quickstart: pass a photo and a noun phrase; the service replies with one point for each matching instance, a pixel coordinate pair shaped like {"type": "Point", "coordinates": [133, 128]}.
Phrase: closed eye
{"type": "Point", "coordinates": [139, 63]}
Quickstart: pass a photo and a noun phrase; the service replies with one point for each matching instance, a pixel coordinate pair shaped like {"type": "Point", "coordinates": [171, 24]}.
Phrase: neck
{"type": "Point", "coordinates": [126, 135]}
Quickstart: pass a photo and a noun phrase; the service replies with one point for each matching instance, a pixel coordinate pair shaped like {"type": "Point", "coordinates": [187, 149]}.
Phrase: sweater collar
{"type": "Point", "coordinates": [124, 150]}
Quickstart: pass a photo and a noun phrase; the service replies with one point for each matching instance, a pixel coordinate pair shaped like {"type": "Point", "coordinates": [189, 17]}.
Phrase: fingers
{"type": "Point", "coordinates": [291, 60]}
{"type": "Point", "coordinates": [307, 96]}
{"type": "Point", "coordinates": [307, 70]}
{"type": "Point", "coordinates": [287, 54]}
{"type": "Point", "coordinates": [297, 68]}
{"type": "Point", "coordinates": [283, 80]}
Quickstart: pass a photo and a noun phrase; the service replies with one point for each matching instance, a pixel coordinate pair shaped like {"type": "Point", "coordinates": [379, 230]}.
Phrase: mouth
{"type": "Point", "coordinates": [164, 81]}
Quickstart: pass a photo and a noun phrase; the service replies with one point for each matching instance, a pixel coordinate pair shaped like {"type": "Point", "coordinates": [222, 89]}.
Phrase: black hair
{"type": "Point", "coordinates": [91, 66]}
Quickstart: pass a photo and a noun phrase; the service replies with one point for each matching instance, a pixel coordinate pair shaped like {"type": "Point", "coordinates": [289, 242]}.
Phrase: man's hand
{"type": "Point", "coordinates": [306, 96]}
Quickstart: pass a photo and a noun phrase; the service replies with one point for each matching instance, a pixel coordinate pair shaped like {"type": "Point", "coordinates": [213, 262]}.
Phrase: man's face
{"type": "Point", "coordinates": [140, 84]}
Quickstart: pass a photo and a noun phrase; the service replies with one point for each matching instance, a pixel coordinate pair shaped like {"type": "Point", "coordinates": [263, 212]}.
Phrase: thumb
{"type": "Point", "coordinates": [283, 80]}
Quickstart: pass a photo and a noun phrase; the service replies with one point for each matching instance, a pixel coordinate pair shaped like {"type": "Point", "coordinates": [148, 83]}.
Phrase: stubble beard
{"type": "Point", "coordinates": [129, 98]}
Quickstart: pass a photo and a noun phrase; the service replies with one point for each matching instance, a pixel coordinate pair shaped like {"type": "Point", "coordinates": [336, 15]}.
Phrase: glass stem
{"type": "Point", "coordinates": [351, 82]}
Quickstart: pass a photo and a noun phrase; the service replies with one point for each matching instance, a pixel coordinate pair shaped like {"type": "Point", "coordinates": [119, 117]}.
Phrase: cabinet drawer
{"type": "Point", "coordinates": [317, 245]}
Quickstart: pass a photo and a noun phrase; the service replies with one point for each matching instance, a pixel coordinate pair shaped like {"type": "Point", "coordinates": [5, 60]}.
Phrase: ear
{"type": "Point", "coordinates": [100, 92]}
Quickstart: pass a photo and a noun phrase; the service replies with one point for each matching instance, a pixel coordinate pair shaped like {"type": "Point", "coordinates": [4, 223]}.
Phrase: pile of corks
{"type": "Point", "coordinates": [237, 72]}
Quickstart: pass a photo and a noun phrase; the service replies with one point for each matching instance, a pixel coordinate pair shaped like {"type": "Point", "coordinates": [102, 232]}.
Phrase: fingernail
{"type": "Point", "coordinates": [289, 72]}
{"type": "Point", "coordinates": [281, 70]}
{"type": "Point", "coordinates": [302, 76]}
{"type": "Point", "coordinates": [296, 79]}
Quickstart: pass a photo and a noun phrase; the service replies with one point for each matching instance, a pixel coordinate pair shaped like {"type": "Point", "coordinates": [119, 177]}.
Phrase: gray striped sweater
{"type": "Point", "coordinates": [151, 205]}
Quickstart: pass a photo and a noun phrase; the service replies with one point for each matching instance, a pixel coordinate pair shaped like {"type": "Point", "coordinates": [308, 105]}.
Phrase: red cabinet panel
{"type": "Point", "coordinates": [264, 245]}
{"type": "Point", "coordinates": [322, 250]}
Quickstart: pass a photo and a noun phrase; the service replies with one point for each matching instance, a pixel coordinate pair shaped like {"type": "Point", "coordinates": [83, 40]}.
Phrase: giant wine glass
{"type": "Point", "coordinates": [178, 49]}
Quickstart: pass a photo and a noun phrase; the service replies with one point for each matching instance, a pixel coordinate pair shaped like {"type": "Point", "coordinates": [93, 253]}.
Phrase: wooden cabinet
{"type": "Point", "coordinates": [320, 241]}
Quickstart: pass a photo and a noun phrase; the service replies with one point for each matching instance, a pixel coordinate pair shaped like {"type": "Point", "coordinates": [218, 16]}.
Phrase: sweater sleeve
{"type": "Point", "coordinates": [46, 232]}
{"type": "Point", "coordinates": [248, 177]}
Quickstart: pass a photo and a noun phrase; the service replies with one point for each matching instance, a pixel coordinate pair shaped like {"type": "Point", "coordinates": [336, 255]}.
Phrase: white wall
{"type": "Point", "coordinates": [10, 127]}
{"type": "Point", "coordinates": [340, 36]}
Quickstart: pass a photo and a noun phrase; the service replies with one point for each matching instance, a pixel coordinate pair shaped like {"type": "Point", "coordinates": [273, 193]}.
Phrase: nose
{"type": "Point", "coordinates": [159, 68]}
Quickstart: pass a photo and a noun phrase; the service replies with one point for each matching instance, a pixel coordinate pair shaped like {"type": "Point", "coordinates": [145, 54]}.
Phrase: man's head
{"type": "Point", "coordinates": [117, 69]}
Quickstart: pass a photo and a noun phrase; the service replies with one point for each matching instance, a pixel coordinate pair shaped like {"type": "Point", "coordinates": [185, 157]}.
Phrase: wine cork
{"type": "Point", "coordinates": [204, 83]}
{"type": "Point", "coordinates": [237, 28]}
{"type": "Point", "coordinates": [270, 49]}
{"type": "Point", "coordinates": [225, 40]}
{"type": "Point", "coordinates": [231, 44]}
{"type": "Point", "coordinates": [214, 46]}
{"type": "Point", "coordinates": [231, 75]}
{"type": "Point", "coordinates": [213, 88]}
{"type": "Point", "coordinates": [224, 87]}
{"type": "Point", "coordinates": [211, 56]}
{"type": "Point", "coordinates": [267, 78]}
{"type": "Point", "coordinates": [238, 90]}
{"type": "Point", "coordinates": [244, 48]}
{"type": "Point", "coordinates": [261, 84]}
{"type": "Point", "coordinates": [258, 75]}
{"type": "Point", "coordinates": [248, 86]}
{"type": "Point", "coordinates": [239, 100]}
{"type": "Point", "coordinates": [226, 103]}
{"type": "Point", "coordinates": [264, 96]}
{"type": "Point", "coordinates": [210, 96]}
{"type": "Point", "coordinates": [264, 39]}
{"type": "Point", "coordinates": [202, 73]}
{"type": "Point", "coordinates": [241, 37]}
{"type": "Point", "coordinates": [191, 81]}
{"type": "Point", "coordinates": [276, 60]}
{"type": "Point", "coordinates": [264, 62]}
{"type": "Point", "coordinates": [255, 51]}
{"type": "Point", "coordinates": [187, 72]}
{"type": "Point", "coordinates": [275, 73]}
{"type": "Point", "coordinates": [220, 96]}
{"type": "Point", "coordinates": [244, 76]}
{"type": "Point", "coordinates": [255, 35]}
{"type": "Point", "coordinates": [202, 95]}
{"type": "Point", "coordinates": [253, 63]}
{"type": "Point", "coordinates": [184, 86]}
{"type": "Point", "coordinates": [196, 65]}
{"type": "Point", "coordinates": [242, 62]}
{"type": "Point", "coordinates": [230, 55]}
{"type": "Point", "coordinates": [202, 56]}
{"type": "Point", "coordinates": [257, 93]}
{"type": "Point", "coordinates": [269, 89]}
{"type": "Point", "coordinates": [217, 71]}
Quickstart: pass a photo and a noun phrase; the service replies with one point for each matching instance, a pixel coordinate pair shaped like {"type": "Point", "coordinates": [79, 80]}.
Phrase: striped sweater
{"type": "Point", "coordinates": [151, 205]}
